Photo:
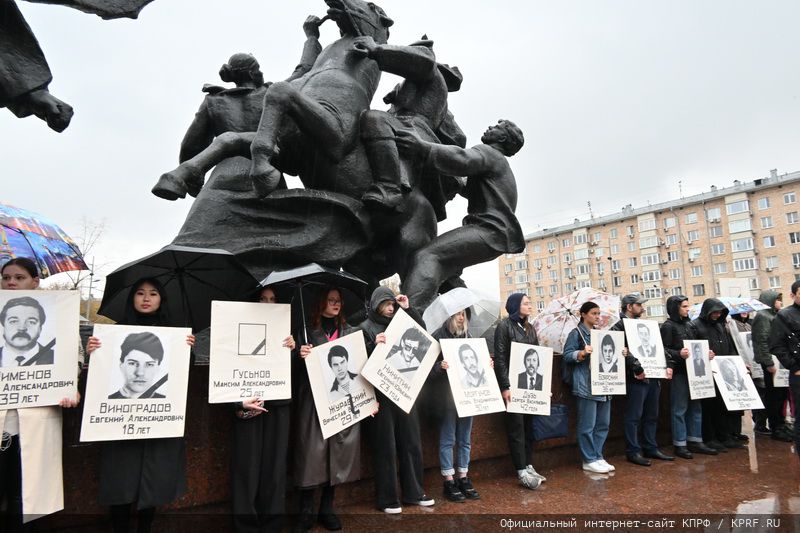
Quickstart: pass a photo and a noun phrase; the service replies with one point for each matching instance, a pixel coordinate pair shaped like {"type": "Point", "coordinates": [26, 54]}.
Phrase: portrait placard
{"type": "Point", "coordinates": [530, 371]}
{"type": "Point", "coordinates": [735, 384]}
{"type": "Point", "coordinates": [472, 380]}
{"type": "Point", "coordinates": [644, 343]}
{"type": "Point", "coordinates": [341, 395]}
{"type": "Point", "coordinates": [781, 376]}
{"type": "Point", "coordinates": [606, 363]}
{"type": "Point", "coordinates": [399, 367]}
{"type": "Point", "coordinates": [39, 355]}
{"type": "Point", "coordinates": [136, 388]}
{"type": "Point", "coordinates": [744, 345]}
{"type": "Point", "coordinates": [698, 370]}
{"type": "Point", "coordinates": [247, 356]}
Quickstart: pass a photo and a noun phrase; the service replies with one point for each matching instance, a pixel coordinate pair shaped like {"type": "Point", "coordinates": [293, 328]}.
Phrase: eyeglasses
{"type": "Point", "coordinates": [334, 301]}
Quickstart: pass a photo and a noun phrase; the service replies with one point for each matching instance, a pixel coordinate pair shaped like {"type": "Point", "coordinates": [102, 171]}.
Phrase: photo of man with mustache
{"type": "Point", "coordinates": [22, 320]}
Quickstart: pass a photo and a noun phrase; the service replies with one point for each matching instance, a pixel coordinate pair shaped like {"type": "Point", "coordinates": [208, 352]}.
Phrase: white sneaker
{"type": "Point", "coordinates": [393, 510]}
{"type": "Point", "coordinates": [609, 466]}
{"type": "Point", "coordinates": [595, 466]}
{"type": "Point", "coordinates": [534, 473]}
{"type": "Point", "coordinates": [529, 481]}
{"type": "Point", "coordinates": [424, 501]}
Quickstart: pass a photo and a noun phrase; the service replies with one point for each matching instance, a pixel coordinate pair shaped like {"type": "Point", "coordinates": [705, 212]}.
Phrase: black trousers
{"type": "Point", "coordinates": [718, 423]}
{"type": "Point", "coordinates": [258, 470]}
{"type": "Point", "coordinates": [794, 387]}
{"type": "Point", "coordinates": [394, 438]}
{"type": "Point", "coordinates": [520, 439]}
{"type": "Point", "coordinates": [11, 486]}
{"type": "Point", "coordinates": [774, 397]}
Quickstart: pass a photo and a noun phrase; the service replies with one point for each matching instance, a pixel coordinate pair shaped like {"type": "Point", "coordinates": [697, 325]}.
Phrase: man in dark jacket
{"type": "Point", "coordinates": [784, 342]}
{"type": "Point", "coordinates": [718, 423]}
{"type": "Point", "coordinates": [516, 328]}
{"type": "Point", "coordinates": [641, 401]}
{"type": "Point", "coordinates": [687, 418]}
{"type": "Point", "coordinates": [772, 396]}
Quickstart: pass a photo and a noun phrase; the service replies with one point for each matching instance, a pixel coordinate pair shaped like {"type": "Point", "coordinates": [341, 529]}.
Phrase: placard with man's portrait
{"type": "Point", "coordinates": [698, 370]}
{"type": "Point", "coordinates": [529, 374]}
{"type": "Point", "coordinates": [39, 354]}
{"type": "Point", "coordinates": [644, 343]}
{"type": "Point", "coordinates": [606, 362]}
{"type": "Point", "coordinates": [342, 396]}
{"type": "Point", "coordinates": [399, 367]}
{"type": "Point", "coordinates": [744, 346]}
{"type": "Point", "coordinates": [247, 356]}
{"type": "Point", "coordinates": [735, 384]}
{"type": "Point", "coordinates": [472, 380]}
{"type": "Point", "coordinates": [137, 384]}
{"type": "Point", "coordinates": [781, 376]}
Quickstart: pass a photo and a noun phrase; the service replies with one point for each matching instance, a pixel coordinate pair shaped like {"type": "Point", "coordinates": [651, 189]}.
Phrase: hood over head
{"type": "Point", "coordinates": [379, 295]}
{"type": "Point", "coordinates": [512, 305]}
{"type": "Point", "coordinates": [711, 305]}
{"type": "Point", "coordinates": [769, 298]}
{"type": "Point", "coordinates": [673, 307]}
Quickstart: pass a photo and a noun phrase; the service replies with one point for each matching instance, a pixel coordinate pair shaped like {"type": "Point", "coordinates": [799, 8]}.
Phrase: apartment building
{"type": "Point", "coordinates": [750, 230]}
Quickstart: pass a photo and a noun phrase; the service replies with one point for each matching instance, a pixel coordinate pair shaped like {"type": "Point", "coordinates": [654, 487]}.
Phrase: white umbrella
{"type": "Point", "coordinates": [484, 310]}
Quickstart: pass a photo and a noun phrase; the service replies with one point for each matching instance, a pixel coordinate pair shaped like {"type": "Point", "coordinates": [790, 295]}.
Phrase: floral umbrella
{"type": "Point", "coordinates": [735, 305]}
{"type": "Point", "coordinates": [561, 316]}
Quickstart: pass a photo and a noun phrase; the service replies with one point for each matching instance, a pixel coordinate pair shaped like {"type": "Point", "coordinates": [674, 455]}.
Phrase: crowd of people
{"type": "Point", "coordinates": [137, 476]}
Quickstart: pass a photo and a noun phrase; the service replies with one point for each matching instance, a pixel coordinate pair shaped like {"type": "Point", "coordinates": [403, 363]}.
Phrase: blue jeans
{"type": "Point", "coordinates": [593, 420]}
{"type": "Point", "coordinates": [641, 411]}
{"type": "Point", "coordinates": [687, 414]}
{"type": "Point", "coordinates": [455, 432]}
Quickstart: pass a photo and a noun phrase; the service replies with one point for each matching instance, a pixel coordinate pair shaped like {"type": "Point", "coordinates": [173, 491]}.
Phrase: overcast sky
{"type": "Point", "coordinates": [618, 101]}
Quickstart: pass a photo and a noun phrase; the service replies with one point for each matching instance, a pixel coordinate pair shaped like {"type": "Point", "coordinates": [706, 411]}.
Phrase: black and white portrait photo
{"type": "Point", "coordinates": [698, 370]}
{"type": "Point", "coordinates": [646, 348]}
{"type": "Point", "coordinates": [39, 328]}
{"type": "Point", "coordinates": [343, 384]}
{"type": "Point", "coordinates": [22, 320]}
{"type": "Point", "coordinates": [140, 364]}
{"type": "Point", "coordinates": [731, 376]}
{"type": "Point", "coordinates": [407, 354]}
{"type": "Point", "coordinates": [472, 375]}
{"type": "Point", "coordinates": [699, 358]}
{"type": "Point", "coordinates": [530, 378]}
{"type": "Point", "coordinates": [644, 342]}
{"type": "Point", "coordinates": [734, 383]}
{"type": "Point", "coordinates": [606, 372]}
{"type": "Point", "coordinates": [608, 355]}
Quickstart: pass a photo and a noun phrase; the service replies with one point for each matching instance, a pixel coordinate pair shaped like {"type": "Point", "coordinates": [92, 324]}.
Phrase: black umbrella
{"type": "Point", "coordinates": [191, 277]}
{"type": "Point", "coordinates": [302, 285]}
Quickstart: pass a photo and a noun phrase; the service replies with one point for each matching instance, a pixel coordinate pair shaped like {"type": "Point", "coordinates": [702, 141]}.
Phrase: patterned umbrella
{"type": "Point", "coordinates": [484, 310]}
{"type": "Point", "coordinates": [27, 234]}
{"type": "Point", "coordinates": [561, 316]}
{"type": "Point", "coordinates": [734, 304]}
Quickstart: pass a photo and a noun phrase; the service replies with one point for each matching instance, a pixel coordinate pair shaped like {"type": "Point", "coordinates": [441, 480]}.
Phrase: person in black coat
{"type": "Point", "coordinates": [718, 423]}
{"type": "Point", "coordinates": [516, 328]}
{"type": "Point", "coordinates": [784, 343]}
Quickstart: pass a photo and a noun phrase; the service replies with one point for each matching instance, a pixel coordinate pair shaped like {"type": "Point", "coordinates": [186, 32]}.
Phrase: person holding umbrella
{"type": "Point", "coordinates": [319, 462]}
{"type": "Point", "coordinates": [516, 328]}
{"type": "Point", "coordinates": [147, 472]}
{"type": "Point", "coordinates": [22, 458]}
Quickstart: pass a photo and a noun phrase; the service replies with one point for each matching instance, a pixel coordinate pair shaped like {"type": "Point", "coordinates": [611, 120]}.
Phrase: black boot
{"type": "Point", "coordinates": [327, 518]}
{"type": "Point", "coordinates": [305, 516]}
{"type": "Point", "coordinates": [452, 492]}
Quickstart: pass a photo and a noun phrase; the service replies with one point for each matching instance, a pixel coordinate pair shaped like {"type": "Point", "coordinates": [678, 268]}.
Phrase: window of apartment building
{"type": "Point", "coordinates": [509, 280]}
{"type": "Point", "coordinates": [521, 265]}
{"type": "Point", "coordinates": [580, 238]}
{"type": "Point", "coordinates": [741, 245]}
{"type": "Point", "coordinates": [612, 233]}
{"type": "Point", "coordinates": [738, 207]}
{"type": "Point", "coordinates": [566, 243]}
{"type": "Point", "coordinates": [735, 226]}
{"type": "Point", "coordinates": [569, 287]}
{"type": "Point", "coordinates": [631, 262]}
{"type": "Point", "coordinates": [697, 271]}
{"type": "Point", "coordinates": [766, 222]}
{"type": "Point", "coordinates": [717, 249]}
{"type": "Point", "coordinates": [694, 253]}
{"type": "Point", "coordinates": [601, 269]}
{"type": "Point", "coordinates": [650, 259]}
{"type": "Point", "coordinates": [796, 260]}
{"type": "Point", "coordinates": [653, 292]}
{"type": "Point", "coordinates": [537, 248]}
{"type": "Point", "coordinates": [507, 268]}
{"type": "Point", "coordinates": [748, 263]}
{"type": "Point", "coordinates": [551, 246]}
{"type": "Point", "coordinates": [553, 290]}
{"type": "Point", "coordinates": [597, 236]}
{"type": "Point", "coordinates": [568, 258]}
{"type": "Point", "coordinates": [631, 246]}
{"type": "Point", "coordinates": [537, 264]}
{"type": "Point", "coordinates": [552, 260]}
{"type": "Point", "coordinates": [584, 269]}
{"type": "Point", "coordinates": [651, 275]}
{"type": "Point", "coordinates": [522, 278]}
{"type": "Point", "coordinates": [648, 242]}
{"type": "Point", "coordinates": [774, 282]}
{"type": "Point", "coordinates": [634, 278]}
{"type": "Point", "coordinates": [615, 248]}
{"type": "Point", "coordinates": [763, 203]}
{"type": "Point", "coordinates": [615, 265]}
{"type": "Point", "coordinates": [670, 222]}
{"type": "Point", "coordinates": [537, 276]}
{"type": "Point", "coordinates": [753, 283]}
{"type": "Point", "coordinates": [769, 241]}
{"type": "Point", "coordinates": [617, 281]}
{"type": "Point", "coordinates": [715, 231]}
{"type": "Point", "coordinates": [584, 283]}
{"type": "Point", "coordinates": [677, 291]}
{"type": "Point", "coordinates": [720, 268]}
{"type": "Point", "coordinates": [698, 290]}
{"type": "Point", "coordinates": [629, 231]}
{"type": "Point", "coordinates": [772, 261]}
{"type": "Point", "coordinates": [647, 225]}
{"type": "Point", "coordinates": [692, 236]}
{"type": "Point", "coordinates": [794, 237]}
{"type": "Point", "coordinates": [554, 275]}
{"type": "Point", "coordinates": [674, 273]}
{"type": "Point", "coordinates": [691, 218]}
{"type": "Point", "coordinates": [655, 310]}
{"type": "Point", "coordinates": [540, 305]}
{"type": "Point", "coordinates": [599, 252]}
{"type": "Point", "coordinates": [540, 292]}
{"type": "Point", "coordinates": [713, 214]}
{"type": "Point", "coordinates": [582, 254]}
{"type": "Point", "coordinates": [792, 218]}
{"type": "Point", "coordinates": [672, 256]}
{"type": "Point", "coordinates": [568, 272]}
{"type": "Point", "coordinates": [601, 284]}
{"type": "Point", "coordinates": [789, 198]}
{"type": "Point", "coordinates": [672, 238]}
